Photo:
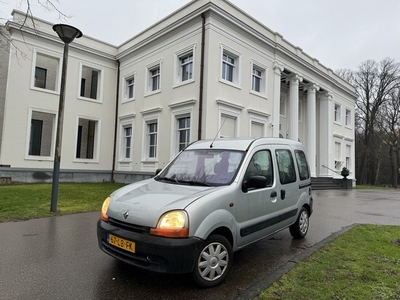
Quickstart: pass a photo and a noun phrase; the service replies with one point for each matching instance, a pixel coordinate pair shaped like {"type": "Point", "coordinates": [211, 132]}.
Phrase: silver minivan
{"type": "Point", "coordinates": [212, 199]}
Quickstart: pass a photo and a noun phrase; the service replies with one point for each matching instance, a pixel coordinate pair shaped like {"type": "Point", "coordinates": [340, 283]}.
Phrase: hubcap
{"type": "Point", "coordinates": [213, 261]}
{"type": "Point", "coordinates": [303, 222]}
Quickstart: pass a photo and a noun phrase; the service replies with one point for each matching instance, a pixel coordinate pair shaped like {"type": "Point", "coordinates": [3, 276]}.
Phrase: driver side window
{"type": "Point", "coordinates": [260, 165]}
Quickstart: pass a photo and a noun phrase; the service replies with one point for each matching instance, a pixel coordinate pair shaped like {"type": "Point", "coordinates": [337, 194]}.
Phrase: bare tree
{"type": "Point", "coordinates": [346, 74]}
{"type": "Point", "coordinates": [390, 125]}
{"type": "Point", "coordinates": [48, 5]}
{"type": "Point", "coordinates": [374, 84]}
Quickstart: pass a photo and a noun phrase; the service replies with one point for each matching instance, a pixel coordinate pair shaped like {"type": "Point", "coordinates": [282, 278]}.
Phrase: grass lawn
{"type": "Point", "coordinates": [372, 187]}
{"type": "Point", "coordinates": [363, 263]}
{"type": "Point", "coordinates": [26, 201]}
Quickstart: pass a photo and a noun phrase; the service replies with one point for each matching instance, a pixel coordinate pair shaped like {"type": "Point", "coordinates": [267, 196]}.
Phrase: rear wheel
{"type": "Point", "coordinates": [213, 262]}
{"type": "Point", "coordinates": [299, 229]}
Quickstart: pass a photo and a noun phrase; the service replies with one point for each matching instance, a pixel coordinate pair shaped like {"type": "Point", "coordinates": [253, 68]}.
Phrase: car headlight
{"type": "Point", "coordinates": [172, 224]}
{"type": "Point", "coordinates": [104, 208]}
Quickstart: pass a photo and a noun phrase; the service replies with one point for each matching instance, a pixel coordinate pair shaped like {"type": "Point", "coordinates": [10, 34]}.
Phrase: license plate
{"type": "Point", "coordinates": [121, 243]}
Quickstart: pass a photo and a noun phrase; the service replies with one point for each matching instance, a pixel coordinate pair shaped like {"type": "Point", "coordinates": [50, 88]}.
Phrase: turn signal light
{"type": "Point", "coordinates": [171, 233]}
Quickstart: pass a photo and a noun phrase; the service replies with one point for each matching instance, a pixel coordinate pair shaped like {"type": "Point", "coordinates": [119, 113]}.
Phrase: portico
{"type": "Point", "coordinates": [302, 97]}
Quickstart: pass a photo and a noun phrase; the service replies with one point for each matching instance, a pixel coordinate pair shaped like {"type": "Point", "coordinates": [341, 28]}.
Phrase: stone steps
{"type": "Point", "coordinates": [324, 183]}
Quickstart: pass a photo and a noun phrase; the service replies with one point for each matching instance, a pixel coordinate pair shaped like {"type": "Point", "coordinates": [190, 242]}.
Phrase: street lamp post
{"type": "Point", "coordinates": [67, 34]}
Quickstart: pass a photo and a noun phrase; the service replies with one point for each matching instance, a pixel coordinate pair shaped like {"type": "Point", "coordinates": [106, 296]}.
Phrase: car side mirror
{"type": "Point", "coordinates": [255, 182]}
{"type": "Point", "coordinates": [158, 171]}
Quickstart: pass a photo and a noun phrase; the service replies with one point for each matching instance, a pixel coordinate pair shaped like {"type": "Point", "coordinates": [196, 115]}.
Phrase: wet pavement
{"type": "Point", "coordinates": [58, 257]}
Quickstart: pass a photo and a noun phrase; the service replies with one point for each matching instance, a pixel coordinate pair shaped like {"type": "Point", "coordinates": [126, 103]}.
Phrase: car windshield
{"type": "Point", "coordinates": [203, 167]}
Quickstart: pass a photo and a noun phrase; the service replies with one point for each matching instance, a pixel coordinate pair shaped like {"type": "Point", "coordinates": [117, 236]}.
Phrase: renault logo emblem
{"type": "Point", "coordinates": [126, 214]}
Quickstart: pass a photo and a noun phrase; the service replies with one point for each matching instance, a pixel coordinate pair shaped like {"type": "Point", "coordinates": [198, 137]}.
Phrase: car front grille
{"type": "Point", "coordinates": [128, 226]}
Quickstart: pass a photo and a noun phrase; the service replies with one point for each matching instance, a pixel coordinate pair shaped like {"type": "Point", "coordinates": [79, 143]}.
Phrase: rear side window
{"type": "Point", "coordinates": [304, 171]}
{"type": "Point", "coordinates": [287, 173]}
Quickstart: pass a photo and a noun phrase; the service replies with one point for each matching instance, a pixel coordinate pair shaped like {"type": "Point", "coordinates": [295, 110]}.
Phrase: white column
{"type": "Point", "coordinates": [311, 126]}
{"type": "Point", "coordinates": [325, 135]}
{"type": "Point", "coordinates": [278, 69]}
{"type": "Point", "coordinates": [294, 106]}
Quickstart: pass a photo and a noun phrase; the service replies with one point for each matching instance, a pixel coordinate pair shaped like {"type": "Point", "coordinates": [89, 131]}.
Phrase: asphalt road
{"type": "Point", "coordinates": [58, 257]}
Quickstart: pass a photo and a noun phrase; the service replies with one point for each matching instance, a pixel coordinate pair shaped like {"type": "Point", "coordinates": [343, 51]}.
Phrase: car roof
{"type": "Point", "coordinates": [239, 144]}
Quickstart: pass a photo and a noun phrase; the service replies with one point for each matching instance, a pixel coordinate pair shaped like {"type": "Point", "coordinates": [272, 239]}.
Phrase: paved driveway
{"type": "Point", "coordinates": [58, 257]}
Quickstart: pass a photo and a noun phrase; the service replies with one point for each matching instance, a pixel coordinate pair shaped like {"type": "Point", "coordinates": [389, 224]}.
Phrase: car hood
{"type": "Point", "coordinates": [144, 202]}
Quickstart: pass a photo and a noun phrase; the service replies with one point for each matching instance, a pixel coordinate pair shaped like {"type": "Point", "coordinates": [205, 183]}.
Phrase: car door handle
{"type": "Point", "coordinates": [283, 194]}
{"type": "Point", "coordinates": [274, 194]}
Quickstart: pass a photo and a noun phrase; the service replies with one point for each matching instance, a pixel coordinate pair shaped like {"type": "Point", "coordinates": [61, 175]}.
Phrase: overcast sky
{"type": "Point", "coordinates": [339, 33]}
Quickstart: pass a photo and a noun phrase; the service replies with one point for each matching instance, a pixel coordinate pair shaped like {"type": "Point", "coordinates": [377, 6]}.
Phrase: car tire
{"type": "Point", "coordinates": [299, 229]}
{"type": "Point", "coordinates": [213, 262]}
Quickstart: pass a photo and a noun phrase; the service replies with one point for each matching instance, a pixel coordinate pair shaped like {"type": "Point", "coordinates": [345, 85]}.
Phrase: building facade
{"type": "Point", "coordinates": [208, 70]}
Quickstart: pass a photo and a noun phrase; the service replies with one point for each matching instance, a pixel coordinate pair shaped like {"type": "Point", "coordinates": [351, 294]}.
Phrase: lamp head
{"type": "Point", "coordinates": [67, 33]}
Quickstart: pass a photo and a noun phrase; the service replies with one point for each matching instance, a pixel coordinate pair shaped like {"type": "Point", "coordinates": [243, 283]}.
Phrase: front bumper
{"type": "Point", "coordinates": [159, 254]}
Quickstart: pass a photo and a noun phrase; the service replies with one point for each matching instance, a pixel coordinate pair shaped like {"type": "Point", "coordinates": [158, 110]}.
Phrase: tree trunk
{"type": "Point", "coordinates": [396, 167]}
{"type": "Point", "coordinates": [379, 163]}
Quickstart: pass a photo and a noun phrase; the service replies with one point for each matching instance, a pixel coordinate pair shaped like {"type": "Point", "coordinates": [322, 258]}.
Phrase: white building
{"type": "Point", "coordinates": [208, 69]}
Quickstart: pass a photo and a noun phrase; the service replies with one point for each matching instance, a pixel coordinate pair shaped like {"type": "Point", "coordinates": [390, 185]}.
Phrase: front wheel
{"type": "Point", "coordinates": [299, 229]}
{"type": "Point", "coordinates": [213, 262]}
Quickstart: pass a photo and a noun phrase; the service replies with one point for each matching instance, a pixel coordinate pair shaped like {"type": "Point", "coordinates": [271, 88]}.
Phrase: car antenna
{"type": "Point", "coordinates": [211, 145]}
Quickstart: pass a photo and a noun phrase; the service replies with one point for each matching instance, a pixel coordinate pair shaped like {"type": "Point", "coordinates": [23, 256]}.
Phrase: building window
{"type": "Point", "coordinates": [229, 126]}
{"type": "Point", "coordinates": [256, 129]}
{"type": "Point", "coordinates": [282, 105]}
{"type": "Point", "coordinates": [181, 114]}
{"type": "Point", "coordinates": [152, 140]}
{"type": "Point", "coordinates": [229, 119]}
{"type": "Point", "coordinates": [83, 86]}
{"type": "Point", "coordinates": [40, 77]}
{"type": "Point", "coordinates": [183, 132]}
{"type": "Point", "coordinates": [186, 67]}
{"type": "Point", "coordinates": [258, 121]}
{"type": "Point", "coordinates": [90, 84]}
{"type": "Point", "coordinates": [46, 71]}
{"type": "Point", "coordinates": [337, 113]}
{"type": "Point", "coordinates": [230, 66]}
{"type": "Point", "coordinates": [348, 155]}
{"type": "Point", "coordinates": [86, 143]}
{"type": "Point", "coordinates": [300, 110]}
{"type": "Point", "coordinates": [130, 87]}
{"type": "Point", "coordinates": [149, 161]}
{"type": "Point", "coordinates": [153, 79]}
{"type": "Point", "coordinates": [41, 134]}
{"type": "Point", "coordinates": [256, 80]}
{"type": "Point", "coordinates": [338, 155]}
{"type": "Point", "coordinates": [127, 142]}
{"type": "Point", "coordinates": [348, 118]}
{"type": "Point", "coordinates": [125, 145]}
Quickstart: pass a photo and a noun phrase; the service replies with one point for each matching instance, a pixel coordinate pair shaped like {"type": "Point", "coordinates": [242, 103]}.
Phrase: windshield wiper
{"type": "Point", "coordinates": [192, 182]}
{"type": "Point", "coordinates": [169, 179]}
